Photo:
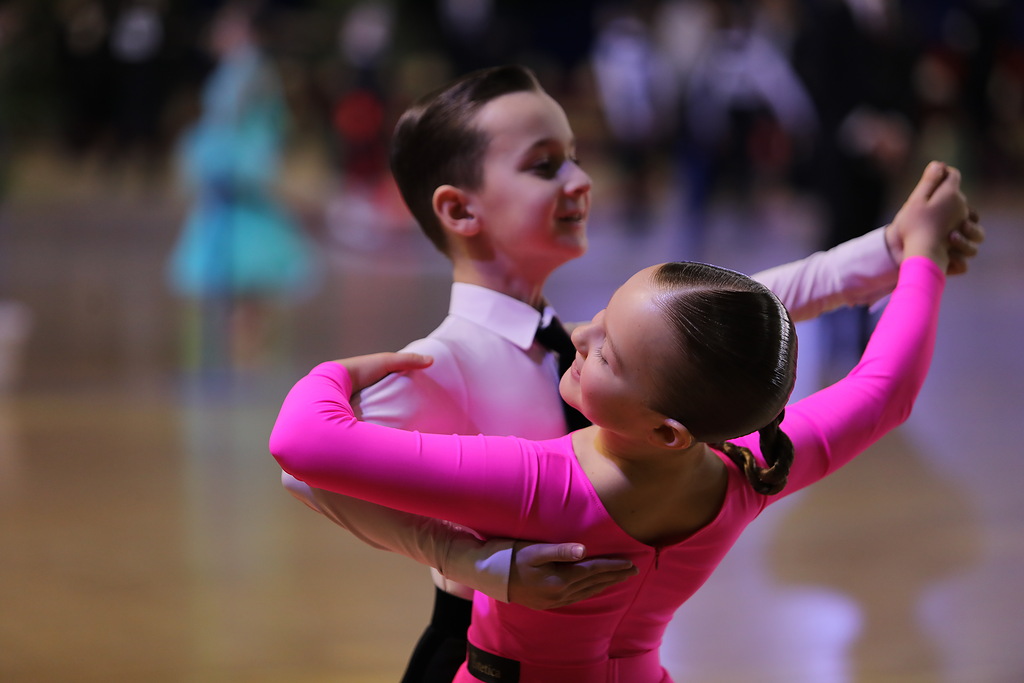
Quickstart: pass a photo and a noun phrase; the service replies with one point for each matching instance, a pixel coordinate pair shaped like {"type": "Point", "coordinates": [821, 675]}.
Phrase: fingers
{"type": "Point", "coordinates": [949, 185]}
{"type": "Point", "coordinates": [961, 246]}
{"type": "Point", "coordinates": [402, 361]}
{"type": "Point", "coordinates": [371, 368]}
{"type": "Point", "coordinates": [964, 244]}
{"type": "Point", "coordinates": [594, 586]}
{"type": "Point", "coordinates": [599, 565]}
{"type": "Point", "coordinates": [385, 362]}
{"type": "Point", "coordinates": [932, 177]}
{"type": "Point", "coordinates": [950, 203]}
{"type": "Point", "coordinates": [549, 575]}
{"type": "Point", "coordinates": [536, 554]}
{"type": "Point", "coordinates": [972, 230]}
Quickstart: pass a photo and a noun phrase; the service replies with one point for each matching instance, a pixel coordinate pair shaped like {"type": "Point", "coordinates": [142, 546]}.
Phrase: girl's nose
{"type": "Point", "coordinates": [578, 337]}
{"type": "Point", "coordinates": [581, 335]}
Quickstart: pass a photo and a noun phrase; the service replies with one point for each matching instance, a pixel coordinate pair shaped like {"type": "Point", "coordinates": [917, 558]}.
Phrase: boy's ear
{"type": "Point", "coordinates": [453, 209]}
{"type": "Point", "coordinates": [671, 434]}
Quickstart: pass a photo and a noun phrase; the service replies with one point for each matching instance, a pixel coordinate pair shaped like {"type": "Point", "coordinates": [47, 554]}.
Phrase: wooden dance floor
{"type": "Point", "coordinates": [144, 535]}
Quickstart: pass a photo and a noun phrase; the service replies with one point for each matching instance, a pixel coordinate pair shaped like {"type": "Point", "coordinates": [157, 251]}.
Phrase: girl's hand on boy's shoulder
{"type": "Point", "coordinates": [371, 368]}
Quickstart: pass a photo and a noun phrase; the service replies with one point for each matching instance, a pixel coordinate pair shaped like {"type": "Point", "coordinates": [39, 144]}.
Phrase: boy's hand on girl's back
{"type": "Point", "coordinates": [550, 575]}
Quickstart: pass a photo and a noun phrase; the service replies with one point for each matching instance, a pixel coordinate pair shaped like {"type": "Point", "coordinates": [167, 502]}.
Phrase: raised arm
{"type": "Point", "coordinates": [835, 424]}
{"type": "Point", "coordinates": [861, 271]}
{"type": "Point", "coordinates": [832, 426]}
{"type": "Point", "coordinates": [855, 273]}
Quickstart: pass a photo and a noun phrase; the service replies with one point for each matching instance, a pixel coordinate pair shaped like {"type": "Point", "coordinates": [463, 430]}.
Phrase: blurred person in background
{"type": "Point", "coordinates": [969, 81]}
{"type": "Point", "coordinates": [138, 48]}
{"type": "Point", "coordinates": [747, 114]}
{"type": "Point", "coordinates": [240, 253]}
{"type": "Point", "coordinates": [15, 316]}
{"type": "Point", "coordinates": [364, 208]}
{"type": "Point", "coordinates": [856, 57]}
{"type": "Point", "coordinates": [636, 94]}
{"type": "Point", "coordinates": [86, 87]}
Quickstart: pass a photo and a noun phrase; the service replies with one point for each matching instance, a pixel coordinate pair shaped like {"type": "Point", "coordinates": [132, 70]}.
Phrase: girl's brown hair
{"type": "Point", "coordinates": [736, 366]}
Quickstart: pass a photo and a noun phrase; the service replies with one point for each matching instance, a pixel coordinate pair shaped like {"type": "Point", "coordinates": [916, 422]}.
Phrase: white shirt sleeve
{"type": "Point", "coordinates": [858, 272]}
{"type": "Point", "coordinates": [455, 552]}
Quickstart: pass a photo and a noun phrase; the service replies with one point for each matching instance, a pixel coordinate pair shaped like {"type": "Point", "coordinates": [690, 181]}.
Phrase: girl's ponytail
{"type": "Point", "coordinates": [777, 450]}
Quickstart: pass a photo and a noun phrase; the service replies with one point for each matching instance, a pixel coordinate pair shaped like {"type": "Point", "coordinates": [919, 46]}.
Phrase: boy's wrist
{"type": "Point", "coordinates": [894, 243]}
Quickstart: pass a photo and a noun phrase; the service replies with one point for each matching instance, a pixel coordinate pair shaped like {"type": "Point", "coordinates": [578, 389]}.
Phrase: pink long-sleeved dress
{"type": "Point", "coordinates": [537, 490]}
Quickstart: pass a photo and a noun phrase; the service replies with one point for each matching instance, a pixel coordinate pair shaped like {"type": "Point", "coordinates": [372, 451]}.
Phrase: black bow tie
{"type": "Point", "coordinates": [554, 338]}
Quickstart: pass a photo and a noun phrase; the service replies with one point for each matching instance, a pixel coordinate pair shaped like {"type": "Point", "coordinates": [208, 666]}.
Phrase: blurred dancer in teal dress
{"type": "Point", "coordinates": [240, 254]}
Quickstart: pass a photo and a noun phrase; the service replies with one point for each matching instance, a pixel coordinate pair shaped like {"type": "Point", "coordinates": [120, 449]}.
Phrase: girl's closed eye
{"type": "Point", "coordinates": [599, 356]}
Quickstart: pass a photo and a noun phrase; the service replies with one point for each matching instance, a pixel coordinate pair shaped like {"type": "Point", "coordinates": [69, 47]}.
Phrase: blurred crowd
{"type": "Point", "coordinates": [731, 88]}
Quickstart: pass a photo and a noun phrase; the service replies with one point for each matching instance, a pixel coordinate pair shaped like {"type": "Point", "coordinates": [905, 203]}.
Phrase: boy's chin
{"type": "Point", "coordinates": [575, 244]}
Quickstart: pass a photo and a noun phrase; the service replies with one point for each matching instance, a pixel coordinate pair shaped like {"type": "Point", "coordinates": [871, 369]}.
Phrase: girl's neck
{"type": "Point", "coordinates": [635, 455]}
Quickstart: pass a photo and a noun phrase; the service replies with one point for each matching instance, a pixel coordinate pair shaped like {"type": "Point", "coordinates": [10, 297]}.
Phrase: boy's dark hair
{"type": "Point", "coordinates": [737, 365]}
{"type": "Point", "coordinates": [436, 143]}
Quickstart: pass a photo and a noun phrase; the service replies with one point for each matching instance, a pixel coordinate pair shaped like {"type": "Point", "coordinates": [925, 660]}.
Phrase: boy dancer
{"type": "Point", "coordinates": [487, 167]}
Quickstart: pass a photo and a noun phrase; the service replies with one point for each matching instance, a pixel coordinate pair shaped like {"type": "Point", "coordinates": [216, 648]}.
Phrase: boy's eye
{"type": "Point", "coordinates": [550, 166]}
{"type": "Point", "coordinates": [547, 167]}
{"type": "Point", "coordinates": [600, 357]}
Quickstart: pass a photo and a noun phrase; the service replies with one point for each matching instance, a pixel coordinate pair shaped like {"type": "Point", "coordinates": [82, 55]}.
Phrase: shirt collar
{"type": "Point", "coordinates": [506, 316]}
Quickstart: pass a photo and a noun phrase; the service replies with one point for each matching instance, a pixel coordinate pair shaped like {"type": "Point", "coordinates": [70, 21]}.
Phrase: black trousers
{"type": "Point", "coordinates": [441, 649]}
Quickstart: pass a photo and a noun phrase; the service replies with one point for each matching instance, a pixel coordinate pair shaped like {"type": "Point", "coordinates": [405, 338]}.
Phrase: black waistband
{"type": "Point", "coordinates": [490, 667]}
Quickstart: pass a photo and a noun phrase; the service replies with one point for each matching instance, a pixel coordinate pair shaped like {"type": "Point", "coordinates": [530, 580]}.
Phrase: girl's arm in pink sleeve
{"type": "Point", "coordinates": [481, 482]}
{"type": "Point", "coordinates": [832, 426]}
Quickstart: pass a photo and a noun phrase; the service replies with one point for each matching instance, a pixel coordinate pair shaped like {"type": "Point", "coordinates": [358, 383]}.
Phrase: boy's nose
{"type": "Point", "coordinates": [579, 181]}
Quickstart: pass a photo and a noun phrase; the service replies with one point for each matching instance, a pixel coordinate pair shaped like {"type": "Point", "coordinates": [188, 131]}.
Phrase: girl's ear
{"type": "Point", "coordinates": [453, 209]}
{"type": "Point", "coordinates": [671, 434]}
